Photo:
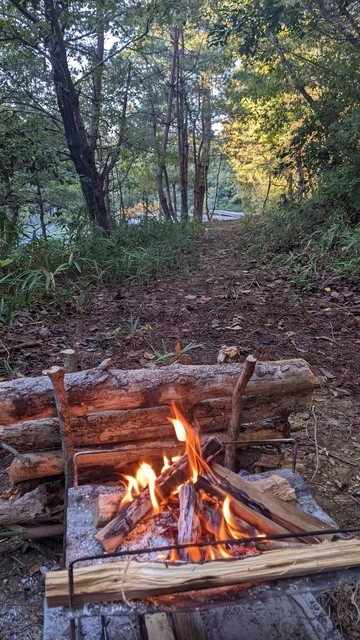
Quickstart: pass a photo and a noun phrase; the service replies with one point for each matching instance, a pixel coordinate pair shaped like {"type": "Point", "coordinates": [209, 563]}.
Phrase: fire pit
{"type": "Point", "coordinates": [171, 526]}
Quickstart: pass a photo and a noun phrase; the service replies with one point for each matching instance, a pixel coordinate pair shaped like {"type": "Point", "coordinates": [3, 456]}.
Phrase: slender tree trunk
{"type": "Point", "coordinates": [290, 71]}
{"type": "Point", "coordinates": [41, 211]}
{"type": "Point", "coordinates": [182, 126]}
{"type": "Point", "coordinates": [203, 155]}
{"type": "Point", "coordinates": [165, 204]}
{"type": "Point", "coordinates": [267, 193]}
{"type": "Point", "coordinates": [81, 152]}
{"type": "Point", "coordinates": [12, 207]}
{"type": "Point", "coordinates": [300, 180]}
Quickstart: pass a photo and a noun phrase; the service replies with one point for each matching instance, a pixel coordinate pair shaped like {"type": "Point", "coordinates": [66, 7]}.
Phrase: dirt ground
{"type": "Point", "coordinates": [224, 300]}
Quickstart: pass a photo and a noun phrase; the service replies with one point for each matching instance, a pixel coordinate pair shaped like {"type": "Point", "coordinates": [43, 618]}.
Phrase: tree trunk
{"type": "Point", "coordinates": [81, 152]}
{"type": "Point", "coordinates": [165, 204]}
{"type": "Point", "coordinates": [182, 126]}
{"type": "Point", "coordinates": [202, 160]}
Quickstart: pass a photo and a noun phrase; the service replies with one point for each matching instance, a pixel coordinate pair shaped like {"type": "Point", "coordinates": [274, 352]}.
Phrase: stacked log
{"type": "Point", "coordinates": [128, 410]}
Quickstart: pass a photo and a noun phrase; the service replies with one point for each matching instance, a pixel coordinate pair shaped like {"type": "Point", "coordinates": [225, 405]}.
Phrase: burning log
{"type": "Point", "coordinates": [103, 390]}
{"type": "Point", "coordinates": [118, 580]}
{"type": "Point", "coordinates": [189, 527]}
{"type": "Point", "coordinates": [132, 513]}
{"type": "Point", "coordinates": [254, 517]}
{"type": "Point", "coordinates": [285, 515]}
{"type": "Point", "coordinates": [213, 519]}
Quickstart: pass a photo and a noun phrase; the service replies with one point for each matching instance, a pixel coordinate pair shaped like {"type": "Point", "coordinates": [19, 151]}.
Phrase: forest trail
{"type": "Point", "coordinates": [224, 299]}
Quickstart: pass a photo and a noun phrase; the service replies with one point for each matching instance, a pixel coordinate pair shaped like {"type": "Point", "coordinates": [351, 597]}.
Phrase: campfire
{"type": "Point", "coordinates": [190, 494]}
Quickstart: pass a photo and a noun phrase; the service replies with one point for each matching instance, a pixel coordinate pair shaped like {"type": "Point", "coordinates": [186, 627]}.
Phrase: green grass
{"type": "Point", "coordinates": [70, 268]}
{"type": "Point", "coordinates": [303, 240]}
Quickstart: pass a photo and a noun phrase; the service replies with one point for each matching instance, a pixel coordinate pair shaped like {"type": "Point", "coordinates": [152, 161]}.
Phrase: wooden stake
{"type": "Point", "coordinates": [236, 410]}
{"type": "Point", "coordinates": [70, 360]}
{"type": "Point", "coordinates": [57, 375]}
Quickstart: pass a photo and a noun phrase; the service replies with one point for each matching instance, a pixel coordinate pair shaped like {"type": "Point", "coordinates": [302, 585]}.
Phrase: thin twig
{"type": "Point", "coordinates": [329, 340]}
{"type": "Point", "coordinates": [316, 443]}
{"type": "Point", "coordinates": [19, 456]}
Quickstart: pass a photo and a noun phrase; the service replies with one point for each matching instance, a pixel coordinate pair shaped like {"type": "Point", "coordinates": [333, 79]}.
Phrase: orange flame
{"type": "Point", "coordinates": [131, 488]}
{"type": "Point", "coordinates": [185, 432]}
{"type": "Point", "coordinates": [146, 477]}
{"type": "Point", "coordinates": [231, 522]}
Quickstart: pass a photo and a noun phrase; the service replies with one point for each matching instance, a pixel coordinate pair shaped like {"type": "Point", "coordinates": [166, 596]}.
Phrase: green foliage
{"type": "Point", "coordinates": [66, 270]}
{"type": "Point", "coordinates": [169, 357]}
{"type": "Point", "coordinates": [304, 240]}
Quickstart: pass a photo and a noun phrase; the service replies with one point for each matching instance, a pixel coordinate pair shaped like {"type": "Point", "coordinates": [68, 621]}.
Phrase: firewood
{"type": "Point", "coordinates": [241, 510]}
{"type": "Point", "coordinates": [107, 504]}
{"type": "Point", "coordinates": [261, 420]}
{"type": "Point", "coordinates": [106, 508]}
{"type": "Point", "coordinates": [132, 513]}
{"type": "Point", "coordinates": [277, 486]}
{"type": "Point", "coordinates": [39, 465]}
{"type": "Point", "coordinates": [36, 506]}
{"type": "Point", "coordinates": [116, 580]}
{"type": "Point", "coordinates": [236, 410]}
{"type": "Point", "coordinates": [213, 518]}
{"type": "Point", "coordinates": [286, 515]}
{"type": "Point", "coordinates": [189, 528]}
{"type": "Point", "coordinates": [103, 390]}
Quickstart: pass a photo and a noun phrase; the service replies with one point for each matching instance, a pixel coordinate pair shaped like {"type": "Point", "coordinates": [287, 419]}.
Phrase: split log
{"type": "Point", "coordinates": [277, 486]}
{"type": "Point", "coordinates": [286, 515]}
{"type": "Point", "coordinates": [113, 534]}
{"type": "Point", "coordinates": [102, 390]}
{"type": "Point", "coordinates": [241, 510]}
{"type": "Point", "coordinates": [262, 419]}
{"type": "Point", "coordinates": [106, 508]}
{"type": "Point", "coordinates": [189, 528]}
{"type": "Point", "coordinates": [39, 505]}
{"type": "Point", "coordinates": [107, 504]}
{"type": "Point", "coordinates": [116, 580]}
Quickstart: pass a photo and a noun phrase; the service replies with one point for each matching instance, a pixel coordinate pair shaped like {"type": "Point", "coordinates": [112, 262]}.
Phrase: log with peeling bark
{"type": "Point", "coordinates": [132, 513]}
{"type": "Point", "coordinates": [286, 515]}
{"type": "Point", "coordinates": [37, 506]}
{"type": "Point", "coordinates": [262, 418]}
{"type": "Point", "coordinates": [119, 580]}
{"type": "Point", "coordinates": [101, 390]}
{"type": "Point", "coordinates": [189, 528]}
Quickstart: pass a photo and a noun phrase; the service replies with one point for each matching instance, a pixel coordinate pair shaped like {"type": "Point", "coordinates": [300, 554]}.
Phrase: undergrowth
{"type": "Point", "coordinates": [304, 240]}
{"type": "Point", "coordinates": [68, 269]}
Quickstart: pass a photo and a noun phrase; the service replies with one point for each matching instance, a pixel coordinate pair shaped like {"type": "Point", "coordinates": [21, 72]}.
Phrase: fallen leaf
{"type": "Point", "coordinates": [190, 297]}
{"type": "Point", "coordinates": [234, 327]}
{"type": "Point", "coordinates": [35, 568]}
{"type": "Point", "coordinates": [244, 291]}
{"type": "Point", "coordinates": [149, 356]}
{"type": "Point", "coordinates": [327, 289]}
{"type": "Point", "coordinates": [202, 300]}
{"type": "Point", "coordinates": [228, 354]}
